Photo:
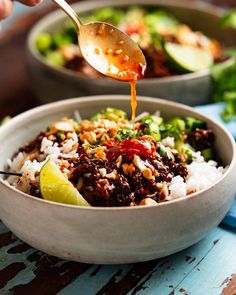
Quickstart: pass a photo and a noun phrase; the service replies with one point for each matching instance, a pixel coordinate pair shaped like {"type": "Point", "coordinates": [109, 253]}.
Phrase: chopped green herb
{"type": "Point", "coordinates": [125, 133]}
{"type": "Point", "coordinates": [165, 151]}
{"type": "Point", "coordinates": [61, 135]}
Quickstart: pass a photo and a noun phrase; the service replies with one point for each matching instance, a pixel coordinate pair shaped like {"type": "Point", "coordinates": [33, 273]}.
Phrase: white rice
{"type": "Point", "coordinates": [49, 148]}
{"type": "Point", "coordinates": [177, 188]}
{"type": "Point", "coordinates": [16, 164]}
{"type": "Point", "coordinates": [30, 169]}
{"type": "Point", "coordinates": [201, 175]}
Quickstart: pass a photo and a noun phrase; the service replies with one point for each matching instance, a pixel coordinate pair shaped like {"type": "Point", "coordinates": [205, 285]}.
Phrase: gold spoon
{"type": "Point", "coordinates": [107, 49]}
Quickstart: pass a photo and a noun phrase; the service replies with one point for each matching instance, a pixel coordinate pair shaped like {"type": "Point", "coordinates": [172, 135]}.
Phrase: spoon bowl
{"type": "Point", "coordinates": [107, 49]}
{"type": "Point", "coordinates": [111, 52]}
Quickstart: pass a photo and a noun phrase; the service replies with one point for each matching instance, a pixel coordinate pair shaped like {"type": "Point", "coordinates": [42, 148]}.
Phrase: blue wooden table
{"type": "Point", "coordinates": [207, 268]}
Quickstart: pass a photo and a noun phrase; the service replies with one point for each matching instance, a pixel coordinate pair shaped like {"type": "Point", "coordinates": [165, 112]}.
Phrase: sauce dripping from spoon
{"type": "Point", "coordinates": [117, 56]}
{"type": "Point", "coordinates": [109, 50]}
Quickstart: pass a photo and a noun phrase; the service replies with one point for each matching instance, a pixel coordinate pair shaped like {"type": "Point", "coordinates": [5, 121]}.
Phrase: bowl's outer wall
{"type": "Point", "coordinates": [103, 235]}
{"type": "Point", "coordinates": [51, 84]}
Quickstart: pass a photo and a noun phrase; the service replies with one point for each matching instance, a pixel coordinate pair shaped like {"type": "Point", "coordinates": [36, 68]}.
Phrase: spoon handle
{"type": "Point", "coordinates": [10, 173]}
{"type": "Point", "coordinates": [70, 12]}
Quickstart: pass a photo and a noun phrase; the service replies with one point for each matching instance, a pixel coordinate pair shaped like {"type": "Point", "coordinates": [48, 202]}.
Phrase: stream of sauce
{"type": "Point", "coordinates": [119, 61]}
{"type": "Point", "coordinates": [131, 74]}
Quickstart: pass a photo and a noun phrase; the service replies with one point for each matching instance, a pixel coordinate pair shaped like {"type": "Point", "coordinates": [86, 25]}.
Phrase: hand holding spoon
{"type": "Point", "coordinates": [107, 49]}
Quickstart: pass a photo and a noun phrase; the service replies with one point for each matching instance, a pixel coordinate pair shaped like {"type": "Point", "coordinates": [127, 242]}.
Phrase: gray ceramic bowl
{"type": "Point", "coordinates": [112, 235]}
{"type": "Point", "coordinates": [50, 83]}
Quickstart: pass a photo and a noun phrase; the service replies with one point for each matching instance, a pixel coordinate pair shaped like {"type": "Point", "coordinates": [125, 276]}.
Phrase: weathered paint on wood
{"type": "Point", "coordinates": [205, 268]}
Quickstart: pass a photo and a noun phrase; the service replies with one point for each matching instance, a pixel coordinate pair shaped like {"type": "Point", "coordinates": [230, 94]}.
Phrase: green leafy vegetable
{"type": "Point", "coordinates": [229, 19]}
{"type": "Point", "coordinates": [224, 75]}
{"type": "Point", "coordinates": [166, 151]}
{"type": "Point", "coordinates": [230, 109]}
{"type": "Point", "coordinates": [224, 82]}
{"type": "Point", "coordinates": [125, 133]}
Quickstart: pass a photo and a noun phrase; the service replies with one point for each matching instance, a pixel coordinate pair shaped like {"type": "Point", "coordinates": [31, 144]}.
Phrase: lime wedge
{"type": "Point", "coordinates": [187, 58]}
{"type": "Point", "coordinates": [54, 186]}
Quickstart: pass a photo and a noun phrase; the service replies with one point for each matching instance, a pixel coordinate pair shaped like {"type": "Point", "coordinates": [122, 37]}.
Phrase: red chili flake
{"type": "Point", "coordinates": [131, 147]}
{"type": "Point", "coordinates": [110, 143]}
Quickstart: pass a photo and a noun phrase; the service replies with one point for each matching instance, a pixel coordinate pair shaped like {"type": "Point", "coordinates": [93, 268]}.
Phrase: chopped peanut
{"type": "Point", "coordinates": [90, 136]}
{"type": "Point", "coordinates": [103, 171]}
{"type": "Point", "coordinates": [63, 126]}
{"type": "Point", "coordinates": [164, 191]}
{"type": "Point", "coordinates": [128, 168]}
{"type": "Point", "coordinates": [119, 161]}
{"type": "Point", "coordinates": [112, 175]}
{"type": "Point", "coordinates": [147, 173]}
{"type": "Point", "coordinates": [80, 183]}
{"type": "Point", "coordinates": [191, 191]}
{"type": "Point", "coordinates": [148, 202]}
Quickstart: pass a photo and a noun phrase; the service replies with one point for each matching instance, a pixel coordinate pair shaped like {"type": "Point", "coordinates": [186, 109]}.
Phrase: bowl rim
{"type": "Point", "coordinates": [59, 15]}
{"type": "Point", "coordinates": [59, 105]}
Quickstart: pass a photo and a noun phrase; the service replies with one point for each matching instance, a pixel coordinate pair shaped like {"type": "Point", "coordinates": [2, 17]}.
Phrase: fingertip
{"type": "Point", "coordinates": [30, 2]}
{"type": "Point", "coordinates": [6, 7]}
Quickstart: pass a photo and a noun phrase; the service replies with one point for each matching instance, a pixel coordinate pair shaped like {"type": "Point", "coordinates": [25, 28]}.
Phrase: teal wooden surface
{"type": "Point", "coordinates": [204, 268]}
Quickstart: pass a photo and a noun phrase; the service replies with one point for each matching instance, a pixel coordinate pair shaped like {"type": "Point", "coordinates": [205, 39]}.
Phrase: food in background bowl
{"type": "Point", "coordinates": [192, 88]}
{"type": "Point", "coordinates": [170, 46]}
{"type": "Point", "coordinates": [111, 161]}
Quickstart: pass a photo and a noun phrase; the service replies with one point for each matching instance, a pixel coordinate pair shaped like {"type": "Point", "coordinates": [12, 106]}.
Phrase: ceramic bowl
{"type": "Point", "coordinates": [111, 235]}
{"type": "Point", "coordinates": [50, 83]}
